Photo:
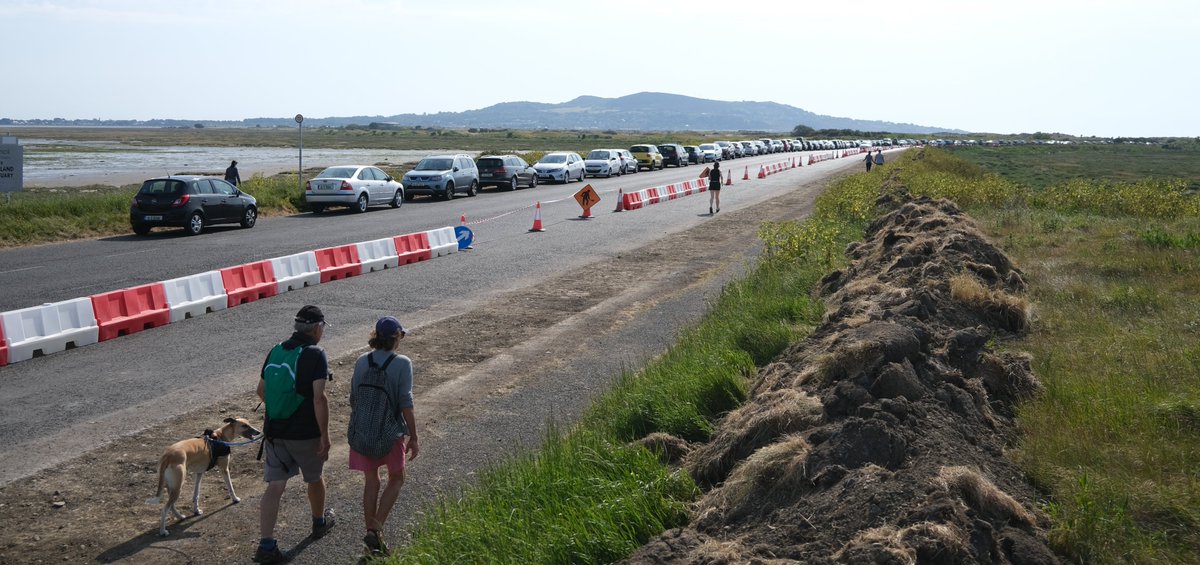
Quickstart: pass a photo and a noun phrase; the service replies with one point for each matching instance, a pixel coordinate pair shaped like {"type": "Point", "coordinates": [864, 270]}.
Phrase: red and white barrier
{"type": "Point", "coordinates": [131, 310]}
{"type": "Point", "coordinates": [195, 295]}
{"type": "Point", "coordinates": [49, 328]}
{"type": "Point", "coordinates": [442, 241]}
{"type": "Point", "coordinates": [339, 262]}
{"type": "Point", "coordinates": [378, 254]}
{"type": "Point", "coordinates": [413, 247]}
{"type": "Point", "coordinates": [295, 271]}
{"type": "Point", "coordinates": [249, 282]}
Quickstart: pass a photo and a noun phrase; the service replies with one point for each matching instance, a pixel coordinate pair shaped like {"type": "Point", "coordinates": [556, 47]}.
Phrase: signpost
{"type": "Point", "coordinates": [300, 166]}
{"type": "Point", "coordinates": [12, 167]}
{"type": "Point", "coordinates": [587, 197]}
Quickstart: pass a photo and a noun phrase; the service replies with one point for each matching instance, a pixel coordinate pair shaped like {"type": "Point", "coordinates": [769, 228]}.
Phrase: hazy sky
{"type": "Point", "coordinates": [1083, 67]}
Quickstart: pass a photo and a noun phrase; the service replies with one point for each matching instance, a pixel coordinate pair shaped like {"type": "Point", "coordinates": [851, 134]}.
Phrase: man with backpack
{"type": "Point", "coordinates": [382, 425]}
{"type": "Point", "coordinates": [296, 433]}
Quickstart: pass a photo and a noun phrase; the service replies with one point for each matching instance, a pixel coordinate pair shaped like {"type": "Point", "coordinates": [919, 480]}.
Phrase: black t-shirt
{"type": "Point", "coordinates": [312, 366]}
{"type": "Point", "coordinates": [714, 176]}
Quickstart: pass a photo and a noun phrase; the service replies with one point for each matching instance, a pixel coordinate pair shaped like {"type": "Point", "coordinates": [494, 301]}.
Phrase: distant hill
{"type": "Point", "coordinates": [647, 111]}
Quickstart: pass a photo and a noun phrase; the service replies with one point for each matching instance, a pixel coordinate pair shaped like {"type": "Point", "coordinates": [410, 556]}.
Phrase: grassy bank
{"type": "Point", "coordinates": [1112, 442]}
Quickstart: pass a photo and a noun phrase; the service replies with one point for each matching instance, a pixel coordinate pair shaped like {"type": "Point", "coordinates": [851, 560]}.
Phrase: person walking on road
{"type": "Point", "coordinates": [868, 161]}
{"type": "Point", "coordinates": [293, 388]}
{"type": "Point", "coordinates": [397, 384]}
{"type": "Point", "coordinates": [878, 157]}
{"type": "Point", "coordinates": [231, 174]}
{"type": "Point", "coordinates": [714, 188]}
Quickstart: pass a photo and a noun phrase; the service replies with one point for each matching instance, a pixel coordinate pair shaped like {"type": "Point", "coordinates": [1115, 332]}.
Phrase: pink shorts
{"type": "Point", "coordinates": [394, 459]}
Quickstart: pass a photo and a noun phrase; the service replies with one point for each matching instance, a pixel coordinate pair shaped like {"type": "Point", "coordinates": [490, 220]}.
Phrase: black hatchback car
{"type": "Point", "coordinates": [673, 154]}
{"type": "Point", "coordinates": [190, 203]}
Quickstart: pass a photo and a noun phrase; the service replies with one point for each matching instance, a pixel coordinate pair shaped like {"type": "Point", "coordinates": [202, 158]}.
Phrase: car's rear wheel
{"type": "Point", "coordinates": [361, 204]}
{"type": "Point", "coordinates": [141, 229]}
{"type": "Point", "coordinates": [250, 217]}
{"type": "Point", "coordinates": [316, 208]}
{"type": "Point", "coordinates": [397, 199]}
{"type": "Point", "coordinates": [512, 183]}
{"type": "Point", "coordinates": [449, 194]}
{"type": "Point", "coordinates": [473, 189]}
{"type": "Point", "coordinates": [195, 224]}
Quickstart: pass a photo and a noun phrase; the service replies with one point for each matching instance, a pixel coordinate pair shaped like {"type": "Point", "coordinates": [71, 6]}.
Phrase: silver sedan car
{"type": "Point", "coordinates": [560, 166]}
{"type": "Point", "coordinates": [354, 186]}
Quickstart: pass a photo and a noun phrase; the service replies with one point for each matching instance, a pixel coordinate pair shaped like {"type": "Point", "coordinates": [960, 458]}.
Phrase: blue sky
{"type": "Point", "coordinates": [1099, 67]}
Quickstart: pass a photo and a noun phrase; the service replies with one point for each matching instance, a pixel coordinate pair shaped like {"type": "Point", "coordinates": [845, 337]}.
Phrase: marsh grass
{"type": "Point", "coordinates": [1111, 261]}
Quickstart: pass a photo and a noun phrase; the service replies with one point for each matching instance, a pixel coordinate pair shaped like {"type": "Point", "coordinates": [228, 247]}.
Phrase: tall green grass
{"type": "Point", "coordinates": [45, 215]}
{"type": "Point", "coordinates": [1112, 264]}
{"type": "Point", "coordinates": [587, 496]}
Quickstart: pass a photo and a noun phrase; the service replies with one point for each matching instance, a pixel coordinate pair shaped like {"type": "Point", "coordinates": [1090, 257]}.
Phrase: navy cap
{"type": "Point", "coordinates": [389, 326]}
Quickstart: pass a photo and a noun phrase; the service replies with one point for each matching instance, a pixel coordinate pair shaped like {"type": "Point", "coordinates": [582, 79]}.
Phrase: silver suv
{"type": "Point", "coordinates": [442, 176]}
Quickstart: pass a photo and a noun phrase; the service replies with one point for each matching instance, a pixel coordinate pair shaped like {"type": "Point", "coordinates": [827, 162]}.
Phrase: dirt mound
{"type": "Point", "coordinates": [881, 437]}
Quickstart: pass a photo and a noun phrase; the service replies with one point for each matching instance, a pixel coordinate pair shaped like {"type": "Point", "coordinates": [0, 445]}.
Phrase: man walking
{"type": "Point", "coordinates": [878, 157]}
{"type": "Point", "coordinates": [232, 176]}
{"type": "Point", "coordinates": [868, 161]}
{"type": "Point", "coordinates": [297, 428]}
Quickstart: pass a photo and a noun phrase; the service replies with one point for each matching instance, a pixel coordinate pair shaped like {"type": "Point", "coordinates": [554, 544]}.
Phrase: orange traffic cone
{"type": "Point", "coordinates": [728, 180]}
{"type": "Point", "coordinates": [463, 219]}
{"type": "Point", "coordinates": [620, 202]}
{"type": "Point", "coordinates": [537, 218]}
{"type": "Point", "coordinates": [762, 172]}
{"type": "Point", "coordinates": [746, 173]}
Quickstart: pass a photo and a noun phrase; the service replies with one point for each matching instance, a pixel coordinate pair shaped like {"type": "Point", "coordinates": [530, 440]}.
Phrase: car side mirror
{"type": "Point", "coordinates": [455, 169]}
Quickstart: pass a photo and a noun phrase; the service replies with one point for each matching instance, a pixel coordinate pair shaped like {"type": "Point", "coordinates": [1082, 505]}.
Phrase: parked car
{"type": "Point", "coordinates": [648, 156]}
{"type": "Point", "coordinates": [443, 176]}
{"type": "Point", "coordinates": [191, 203]}
{"type": "Point", "coordinates": [605, 162]}
{"type": "Point", "coordinates": [505, 171]}
{"type": "Point", "coordinates": [748, 148]}
{"type": "Point", "coordinates": [727, 151]}
{"type": "Point", "coordinates": [352, 186]}
{"type": "Point", "coordinates": [560, 166]}
{"type": "Point", "coordinates": [629, 163]}
{"type": "Point", "coordinates": [710, 152]}
{"type": "Point", "coordinates": [673, 154]}
{"type": "Point", "coordinates": [693, 153]}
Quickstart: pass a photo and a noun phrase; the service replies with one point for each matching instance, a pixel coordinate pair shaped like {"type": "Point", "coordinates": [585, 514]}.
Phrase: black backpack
{"type": "Point", "coordinates": [374, 425]}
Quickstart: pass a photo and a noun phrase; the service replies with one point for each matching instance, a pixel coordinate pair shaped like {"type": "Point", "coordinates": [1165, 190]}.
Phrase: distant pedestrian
{"type": "Point", "coordinates": [878, 156]}
{"type": "Point", "coordinates": [868, 160]}
{"type": "Point", "coordinates": [232, 176]}
{"type": "Point", "coordinates": [297, 427]}
{"type": "Point", "coordinates": [370, 415]}
{"type": "Point", "coordinates": [714, 188]}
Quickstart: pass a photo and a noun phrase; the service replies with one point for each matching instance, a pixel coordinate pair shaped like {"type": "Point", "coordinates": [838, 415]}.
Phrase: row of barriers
{"type": "Point", "coordinates": [55, 327]}
{"type": "Point", "coordinates": [641, 198]}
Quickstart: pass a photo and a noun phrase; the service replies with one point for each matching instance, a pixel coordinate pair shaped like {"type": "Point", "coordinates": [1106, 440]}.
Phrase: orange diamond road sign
{"type": "Point", "coordinates": [587, 197]}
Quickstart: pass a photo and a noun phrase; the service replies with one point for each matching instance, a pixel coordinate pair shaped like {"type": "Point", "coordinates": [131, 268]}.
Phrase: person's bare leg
{"type": "Point", "coordinates": [390, 493]}
{"type": "Point", "coordinates": [268, 508]}
{"type": "Point", "coordinates": [371, 500]}
{"type": "Point", "coordinates": [316, 498]}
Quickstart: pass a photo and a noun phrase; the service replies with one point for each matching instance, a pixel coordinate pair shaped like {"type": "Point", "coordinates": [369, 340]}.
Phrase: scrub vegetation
{"type": "Point", "coordinates": [1112, 442]}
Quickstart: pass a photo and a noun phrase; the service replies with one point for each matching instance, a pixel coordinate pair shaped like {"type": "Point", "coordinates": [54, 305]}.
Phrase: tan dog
{"type": "Point", "coordinates": [195, 456]}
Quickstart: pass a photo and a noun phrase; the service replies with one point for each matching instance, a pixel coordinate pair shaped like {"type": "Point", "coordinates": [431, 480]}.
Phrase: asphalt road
{"type": "Point", "coordinates": [59, 406]}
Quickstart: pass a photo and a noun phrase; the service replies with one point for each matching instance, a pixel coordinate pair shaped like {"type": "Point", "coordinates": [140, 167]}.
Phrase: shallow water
{"type": "Point", "coordinates": [83, 163]}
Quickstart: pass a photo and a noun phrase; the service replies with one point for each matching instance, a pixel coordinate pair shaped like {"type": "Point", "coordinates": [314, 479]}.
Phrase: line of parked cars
{"type": "Point", "coordinates": [194, 202]}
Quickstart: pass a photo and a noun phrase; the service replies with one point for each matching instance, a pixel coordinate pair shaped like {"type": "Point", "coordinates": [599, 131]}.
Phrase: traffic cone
{"type": "Point", "coordinates": [746, 173]}
{"type": "Point", "coordinates": [620, 202]}
{"type": "Point", "coordinates": [463, 219]}
{"type": "Point", "coordinates": [537, 218]}
{"type": "Point", "coordinates": [793, 162]}
{"type": "Point", "coordinates": [728, 180]}
{"type": "Point", "coordinates": [762, 172]}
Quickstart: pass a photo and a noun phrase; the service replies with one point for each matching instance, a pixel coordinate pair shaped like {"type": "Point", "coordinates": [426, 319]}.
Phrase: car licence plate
{"type": "Point", "coordinates": [151, 218]}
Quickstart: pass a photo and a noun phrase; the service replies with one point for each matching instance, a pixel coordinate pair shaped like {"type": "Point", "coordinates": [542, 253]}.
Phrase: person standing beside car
{"type": "Point", "coordinates": [231, 174]}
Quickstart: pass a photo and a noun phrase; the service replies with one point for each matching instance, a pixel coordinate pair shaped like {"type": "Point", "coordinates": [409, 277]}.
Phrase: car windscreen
{"type": "Point", "coordinates": [338, 173]}
{"type": "Point", "coordinates": [554, 159]}
{"type": "Point", "coordinates": [162, 186]}
{"type": "Point", "coordinates": [435, 165]}
{"type": "Point", "coordinates": [598, 155]}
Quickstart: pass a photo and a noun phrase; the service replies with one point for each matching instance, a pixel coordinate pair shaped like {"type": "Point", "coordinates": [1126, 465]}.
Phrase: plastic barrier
{"type": "Point", "coordinates": [652, 196]}
{"type": "Point", "coordinates": [249, 282]}
{"type": "Point", "coordinates": [672, 194]}
{"type": "Point", "coordinates": [442, 241]}
{"type": "Point", "coordinates": [131, 310]}
{"type": "Point", "coordinates": [295, 271]}
{"type": "Point", "coordinates": [338, 262]}
{"type": "Point", "coordinates": [412, 247]}
{"type": "Point", "coordinates": [192, 296]}
{"type": "Point", "coordinates": [633, 200]}
{"type": "Point", "coordinates": [702, 185]}
{"type": "Point", "coordinates": [379, 254]}
{"type": "Point", "coordinates": [49, 328]}
{"type": "Point", "coordinates": [688, 189]}
{"type": "Point", "coordinates": [3, 348]}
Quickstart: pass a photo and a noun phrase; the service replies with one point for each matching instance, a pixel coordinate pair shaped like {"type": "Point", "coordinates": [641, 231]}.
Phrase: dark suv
{"type": "Point", "coordinates": [190, 203]}
{"type": "Point", "coordinates": [506, 171]}
{"type": "Point", "coordinates": [673, 154]}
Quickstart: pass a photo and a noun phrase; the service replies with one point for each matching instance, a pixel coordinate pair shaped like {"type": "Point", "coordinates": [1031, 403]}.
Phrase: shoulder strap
{"type": "Point", "coordinates": [391, 357]}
